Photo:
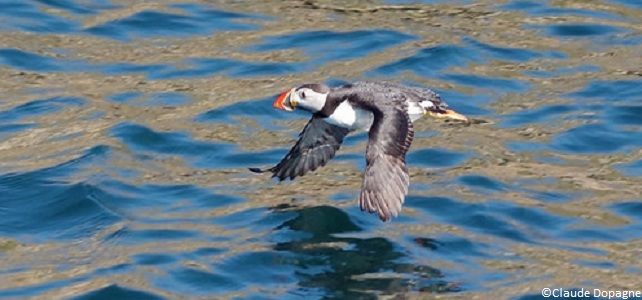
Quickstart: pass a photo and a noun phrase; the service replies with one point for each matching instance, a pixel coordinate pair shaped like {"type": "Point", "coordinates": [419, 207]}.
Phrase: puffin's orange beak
{"type": "Point", "coordinates": [284, 101]}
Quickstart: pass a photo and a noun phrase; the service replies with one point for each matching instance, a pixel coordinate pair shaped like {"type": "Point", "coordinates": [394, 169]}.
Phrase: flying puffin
{"type": "Point", "coordinates": [386, 110]}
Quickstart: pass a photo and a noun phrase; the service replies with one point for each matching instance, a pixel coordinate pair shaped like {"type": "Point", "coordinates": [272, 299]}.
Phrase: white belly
{"type": "Point", "coordinates": [358, 119]}
{"type": "Point", "coordinates": [348, 117]}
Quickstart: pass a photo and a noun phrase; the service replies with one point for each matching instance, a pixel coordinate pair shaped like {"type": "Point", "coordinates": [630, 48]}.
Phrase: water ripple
{"type": "Point", "coordinates": [188, 281]}
{"type": "Point", "coordinates": [22, 15]}
{"type": "Point", "coordinates": [123, 169]}
{"type": "Point", "coordinates": [476, 217]}
{"type": "Point", "coordinates": [438, 158]}
{"type": "Point", "coordinates": [328, 46]}
{"type": "Point", "coordinates": [498, 84]}
{"type": "Point", "coordinates": [198, 20]}
{"type": "Point", "coordinates": [580, 30]}
{"type": "Point", "coordinates": [543, 8]}
{"type": "Point", "coordinates": [597, 138]}
{"type": "Point", "coordinates": [116, 291]}
{"type": "Point", "coordinates": [541, 115]}
{"type": "Point", "coordinates": [39, 107]}
{"type": "Point", "coordinates": [143, 139]}
{"type": "Point", "coordinates": [610, 91]}
{"type": "Point", "coordinates": [630, 3]}
{"type": "Point", "coordinates": [205, 67]}
{"type": "Point", "coordinates": [158, 99]}
{"type": "Point", "coordinates": [433, 60]}
{"type": "Point", "coordinates": [68, 211]}
{"type": "Point", "coordinates": [24, 60]}
{"type": "Point", "coordinates": [632, 169]}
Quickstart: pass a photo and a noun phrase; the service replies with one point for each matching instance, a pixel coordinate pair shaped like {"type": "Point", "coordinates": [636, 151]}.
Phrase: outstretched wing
{"type": "Point", "coordinates": [386, 180]}
{"type": "Point", "coordinates": [317, 144]}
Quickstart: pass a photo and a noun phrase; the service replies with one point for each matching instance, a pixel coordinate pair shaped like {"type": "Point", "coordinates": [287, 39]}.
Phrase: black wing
{"type": "Point", "coordinates": [317, 144]}
{"type": "Point", "coordinates": [386, 180]}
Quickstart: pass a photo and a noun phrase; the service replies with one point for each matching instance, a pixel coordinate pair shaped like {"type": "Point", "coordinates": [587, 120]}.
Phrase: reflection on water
{"type": "Point", "coordinates": [335, 266]}
{"type": "Point", "coordinates": [126, 130]}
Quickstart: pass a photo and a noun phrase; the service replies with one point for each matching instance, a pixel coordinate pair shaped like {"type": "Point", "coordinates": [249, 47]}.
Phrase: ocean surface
{"type": "Point", "coordinates": [127, 129]}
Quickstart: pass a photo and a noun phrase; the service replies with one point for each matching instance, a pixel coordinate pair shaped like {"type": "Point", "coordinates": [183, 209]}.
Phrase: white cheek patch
{"type": "Point", "coordinates": [317, 102]}
{"type": "Point", "coordinates": [312, 102]}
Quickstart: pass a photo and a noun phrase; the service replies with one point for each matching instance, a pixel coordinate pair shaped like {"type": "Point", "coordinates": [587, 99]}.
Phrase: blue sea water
{"type": "Point", "coordinates": [141, 192]}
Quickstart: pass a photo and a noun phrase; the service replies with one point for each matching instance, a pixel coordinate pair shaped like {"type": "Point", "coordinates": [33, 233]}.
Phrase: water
{"type": "Point", "coordinates": [126, 131]}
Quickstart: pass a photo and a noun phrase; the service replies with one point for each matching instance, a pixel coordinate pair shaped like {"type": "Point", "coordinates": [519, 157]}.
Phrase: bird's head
{"type": "Point", "coordinates": [435, 107]}
{"type": "Point", "coordinates": [310, 97]}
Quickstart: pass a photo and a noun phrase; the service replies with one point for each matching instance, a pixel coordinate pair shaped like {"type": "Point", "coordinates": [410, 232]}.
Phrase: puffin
{"type": "Point", "coordinates": [386, 110]}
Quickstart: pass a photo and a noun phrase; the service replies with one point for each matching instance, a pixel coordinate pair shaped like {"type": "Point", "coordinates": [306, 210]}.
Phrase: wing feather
{"type": "Point", "coordinates": [386, 179]}
{"type": "Point", "coordinates": [317, 144]}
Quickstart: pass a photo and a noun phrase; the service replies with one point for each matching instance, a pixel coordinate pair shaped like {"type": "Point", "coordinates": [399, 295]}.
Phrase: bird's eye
{"type": "Point", "coordinates": [302, 94]}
